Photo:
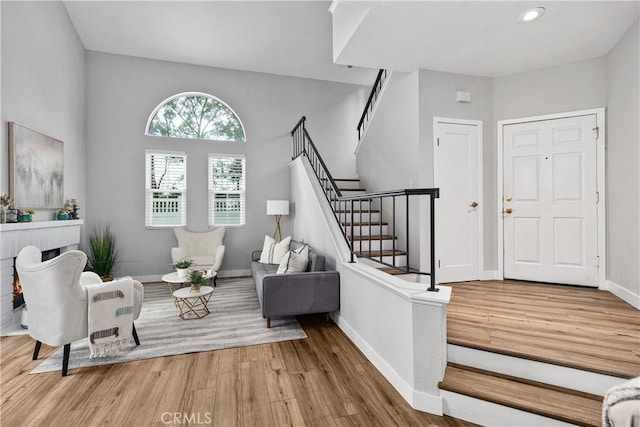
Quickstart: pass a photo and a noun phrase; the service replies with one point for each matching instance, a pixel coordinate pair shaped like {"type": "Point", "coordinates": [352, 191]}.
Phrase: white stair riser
{"type": "Point", "coordinates": [364, 245]}
{"type": "Point", "coordinates": [364, 230]}
{"type": "Point", "coordinates": [401, 260]}
{"type": "Point", "coordinates": [491, 414]}
{"type": "Point", "coordinates": [359, 217]}
{"type": "Point", "coordinates": [561, 376]}
{"type": "Point", "coordinates": [347, 184]}
{"type": "Point", "coordinates": [364, 205]}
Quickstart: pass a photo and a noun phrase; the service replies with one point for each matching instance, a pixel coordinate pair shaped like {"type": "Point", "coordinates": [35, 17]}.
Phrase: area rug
{"type": "Point", "coordinates": [235, 321]}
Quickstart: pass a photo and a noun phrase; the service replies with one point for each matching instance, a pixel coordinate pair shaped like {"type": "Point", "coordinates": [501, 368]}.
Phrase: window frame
{"type": "Point", "coordinates": [200, 94]}
{"type": "Point", "coordinates": [148, 196]}
{"type": "Point", "coordinates": [211, 191]}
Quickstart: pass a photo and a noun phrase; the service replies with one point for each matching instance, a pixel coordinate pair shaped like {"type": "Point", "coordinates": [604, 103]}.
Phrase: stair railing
{"type": "Point", "coordinates": [344, 210]}
{"type": "Point", "coordinates": [371, 102]}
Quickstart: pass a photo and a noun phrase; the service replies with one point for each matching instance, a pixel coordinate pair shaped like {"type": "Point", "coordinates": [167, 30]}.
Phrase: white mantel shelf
{"type": "Point", "coordinates": [17, 226]}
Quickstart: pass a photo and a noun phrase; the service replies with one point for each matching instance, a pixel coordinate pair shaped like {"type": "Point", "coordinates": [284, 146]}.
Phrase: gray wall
{"type": "Point", "coordinates": [122, 91]}
{"type": "Point", "coordinates": [623, 162]}
{"type": "Point", "coordinates": [438, 99]}
{"type": "Point", "coordinates": [43, 72]}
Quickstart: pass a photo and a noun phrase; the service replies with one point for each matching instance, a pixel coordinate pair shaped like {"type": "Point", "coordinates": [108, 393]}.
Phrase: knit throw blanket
{"type": "Point", "coordinates": [629, 390]}
{"type": "Point", "coordinates": [110, 317]}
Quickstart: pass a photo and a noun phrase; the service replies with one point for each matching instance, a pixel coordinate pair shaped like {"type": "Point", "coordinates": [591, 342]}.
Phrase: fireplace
{"type": "Point", "coordinates": [18, 298]}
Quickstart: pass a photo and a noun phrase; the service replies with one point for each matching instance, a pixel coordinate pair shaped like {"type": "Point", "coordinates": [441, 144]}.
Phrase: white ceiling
{"type": "Point", "coordinates": [294, 38]}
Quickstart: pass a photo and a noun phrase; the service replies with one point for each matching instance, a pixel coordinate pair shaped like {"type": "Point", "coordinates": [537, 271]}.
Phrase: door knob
{"type": "Point", "coordinates": [507, 211]}
{"type": "Point", "coordinates": [508, 198]}
{"type": "Point", "coordinates": [474, 204]}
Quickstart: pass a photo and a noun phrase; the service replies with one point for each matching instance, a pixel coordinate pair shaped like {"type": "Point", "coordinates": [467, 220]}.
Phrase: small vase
{"type": "Point", "coordinates": [63, 216]}
{"type": "Point", "coordinates": [182, 272]}
{"type": "Point", "coordinates": [12, 215]}
{"type": "Point", "coordinates": [195, 287]}
{"type": "Point", "coordinates": [3, 216]}
{"type": "Point", "coordinates": [24, 217]}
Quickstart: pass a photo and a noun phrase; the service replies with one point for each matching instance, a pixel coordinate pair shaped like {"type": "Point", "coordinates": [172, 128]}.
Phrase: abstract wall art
{"type": "Point", "coordinates": [36, 169]}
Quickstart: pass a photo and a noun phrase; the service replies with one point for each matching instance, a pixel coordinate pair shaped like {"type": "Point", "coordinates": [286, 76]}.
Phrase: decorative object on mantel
{"type": "Point", "coordinates": [5, 202]}
{"type": "Point", "coordinates": [71, 206]}
{"type": "Point", "coordinates": [25, 215]}
{"type": "Point", "coordinates": [103, 255]}
{"type": "Point", "coordinates": [12, 215]}
{"type": "Point", "coordinates": [36, 167]}
{"type": "Point", "coordinates": [62, 214]}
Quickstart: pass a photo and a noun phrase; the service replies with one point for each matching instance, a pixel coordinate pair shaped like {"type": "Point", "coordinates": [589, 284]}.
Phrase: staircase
{"type": "Point", "coordinates": [371, 235]}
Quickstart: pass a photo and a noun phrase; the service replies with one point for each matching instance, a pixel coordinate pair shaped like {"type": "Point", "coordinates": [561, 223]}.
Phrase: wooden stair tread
{"type": "Point", "coordinates": [379, 253]}
{"type": "Point", "coordinates": [374, 237]}
{"type": "Point", "coordinates": [358, 211]}
{"type": "Point", "coordinates": [550, 401]}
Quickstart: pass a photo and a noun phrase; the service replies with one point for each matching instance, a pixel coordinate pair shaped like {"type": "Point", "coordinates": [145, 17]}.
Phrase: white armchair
{"type": "Point", "coordinates": [206, 249]}
{"type": "Point", "coordinates": [56, 297]}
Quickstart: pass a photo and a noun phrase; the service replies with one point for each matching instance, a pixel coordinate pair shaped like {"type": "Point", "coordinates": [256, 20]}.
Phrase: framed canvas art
{"type": "Point", "coordinates": [36, 169]}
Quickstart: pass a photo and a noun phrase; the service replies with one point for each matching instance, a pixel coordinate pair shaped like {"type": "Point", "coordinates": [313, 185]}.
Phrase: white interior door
{"type": "Point", "coordinates": [458, 210]}
{"type": "Point", "coordinates": [550, 201]}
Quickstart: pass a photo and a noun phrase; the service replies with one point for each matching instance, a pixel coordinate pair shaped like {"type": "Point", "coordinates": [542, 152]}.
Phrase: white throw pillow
{"type": "Point", "coordinates": [295, 261]}
{"type": "Point", "coordinates": [272, 251]}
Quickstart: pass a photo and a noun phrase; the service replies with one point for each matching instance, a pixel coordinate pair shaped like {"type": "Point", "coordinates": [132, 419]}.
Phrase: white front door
{"type": "Point", "coordinates": [458, 210]}
{"type": "Point", "coordinates": [550, 201]}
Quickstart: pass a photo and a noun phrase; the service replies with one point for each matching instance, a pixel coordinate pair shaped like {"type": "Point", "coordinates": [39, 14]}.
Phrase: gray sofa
{"type": "Point", "coordinates": [291, 294]}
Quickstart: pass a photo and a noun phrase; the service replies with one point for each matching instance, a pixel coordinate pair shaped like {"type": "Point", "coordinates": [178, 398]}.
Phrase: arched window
{"type": "Point", "coordinates": [195, 115]}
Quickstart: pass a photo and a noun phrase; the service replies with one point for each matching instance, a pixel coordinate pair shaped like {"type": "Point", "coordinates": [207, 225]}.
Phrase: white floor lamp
{"type": "Point", "coordinates": [277, 208]}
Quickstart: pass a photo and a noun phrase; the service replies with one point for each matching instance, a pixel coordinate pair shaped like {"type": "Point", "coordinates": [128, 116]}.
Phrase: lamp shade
{"type": "Point", "coordinates": [277, 207]}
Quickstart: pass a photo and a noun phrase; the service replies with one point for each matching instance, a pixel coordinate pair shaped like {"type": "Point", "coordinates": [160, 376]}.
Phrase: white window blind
{"type": "Point", "coordinates": [166, 189]}
{"type": "Point", "coordinates": [226, 189]}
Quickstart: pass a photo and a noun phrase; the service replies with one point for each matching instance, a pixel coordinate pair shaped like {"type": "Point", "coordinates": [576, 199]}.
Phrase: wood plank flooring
{"type": "Point", "coordinates": [319, 381]}
{"type": "Point", "coordinates": [582, 328]}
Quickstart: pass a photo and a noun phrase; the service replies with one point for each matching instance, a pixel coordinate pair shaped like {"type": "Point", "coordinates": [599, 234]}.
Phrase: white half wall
{"type": "Point", "coordinates": [399, 326]}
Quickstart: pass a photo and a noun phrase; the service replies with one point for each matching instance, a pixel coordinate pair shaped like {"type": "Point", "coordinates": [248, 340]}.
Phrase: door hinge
{"type": "Point", "coordinates": [598, 261]}
{"type": "Point", "coordinates": [597, 197]}
{"type": "Point", "coordinates": [438, 263]}
{"type": "Point", "coordinates": [597, 131]}
{"type": "Point", "coordinates": [438, 142]}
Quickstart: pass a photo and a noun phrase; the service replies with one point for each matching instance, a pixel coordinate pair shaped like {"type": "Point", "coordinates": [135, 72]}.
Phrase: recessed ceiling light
{"type": "Point", "coordinates": [531, 14]}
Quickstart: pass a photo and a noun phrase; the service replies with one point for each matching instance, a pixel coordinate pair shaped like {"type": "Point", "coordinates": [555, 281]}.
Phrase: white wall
{"type": "Point", "coordinates": [399, 327]}
{"type": "Point", "coordinates": [623, 163]}
{"type": "Point", "coordinates": [43, 76]}
{"type": "Point", "coordinates": [122, 91]}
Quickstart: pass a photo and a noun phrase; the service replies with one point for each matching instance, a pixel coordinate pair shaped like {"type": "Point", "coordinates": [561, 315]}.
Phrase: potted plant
{"type": "Point", "coordinates": [25, 215]}
{"type": "Point", "coordinates": [62, 214]}
{"type": "Point", "coordinates": [5, 202]}
{"type": "Point", "coordinates": [103, 255]}
{"type": "Point", "coordinates": [197, 279]}
{"type": "Point", "coordinates": [182, 266]}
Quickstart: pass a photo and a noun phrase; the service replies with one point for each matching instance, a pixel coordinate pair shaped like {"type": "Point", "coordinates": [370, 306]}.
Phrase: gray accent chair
{"type": "Point", "coordinates": [292, 294]}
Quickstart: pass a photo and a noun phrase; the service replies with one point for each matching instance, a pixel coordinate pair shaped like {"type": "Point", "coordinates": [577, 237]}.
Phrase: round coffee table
{"type": "Point", "coordinates": [172, 279]}
{"type": "Point", "coordinates": [191, 303]}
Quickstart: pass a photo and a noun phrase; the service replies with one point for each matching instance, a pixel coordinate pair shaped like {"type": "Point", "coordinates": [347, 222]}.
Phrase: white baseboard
{"type": "Point", "coordinates": [418, 400]}
{"type": "Point", "coordinates": [221, 274]}
{"type": "Point", "coordinates": [489, 275]}
{"type": "Point", "coordinates": [624, 294]}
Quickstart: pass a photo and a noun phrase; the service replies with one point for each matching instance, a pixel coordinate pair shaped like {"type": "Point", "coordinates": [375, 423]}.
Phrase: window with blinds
{"type": "Point", "coordinates": [166, 189]}
{"type": "Point", "coordinates": [226, 189]}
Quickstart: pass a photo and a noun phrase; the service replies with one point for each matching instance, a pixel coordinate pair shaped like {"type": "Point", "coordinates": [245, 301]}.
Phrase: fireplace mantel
{"type": "Point", "coordinates": [45, 235]}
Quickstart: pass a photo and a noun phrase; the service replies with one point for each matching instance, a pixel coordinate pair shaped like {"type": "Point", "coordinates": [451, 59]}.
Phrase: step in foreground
{"type": "Point", "coordinates": [519, 397]}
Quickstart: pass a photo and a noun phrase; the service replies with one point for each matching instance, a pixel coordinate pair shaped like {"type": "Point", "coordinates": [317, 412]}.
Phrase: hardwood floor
{"type": "Point", "coordinates": [582, 328]}
{"type": "Point", "coordinates": [319, 381]}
